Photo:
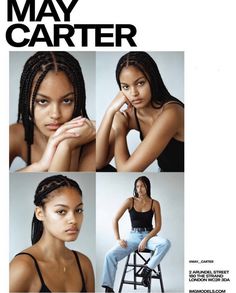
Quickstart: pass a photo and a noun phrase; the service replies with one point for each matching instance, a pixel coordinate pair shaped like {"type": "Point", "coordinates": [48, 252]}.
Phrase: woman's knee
{"type": "Point", "coordinates": [166, 243]}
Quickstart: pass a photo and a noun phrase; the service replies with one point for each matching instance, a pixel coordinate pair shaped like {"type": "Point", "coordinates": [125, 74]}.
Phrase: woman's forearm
{"type": "Point", "coordinates": [116, 229]}
{"type": "Point", "coordinates": [102, 139]}
{"type": "Point", "coordinates": [61, 160]}
{"type": "Point", "coordinates": [121, 152]}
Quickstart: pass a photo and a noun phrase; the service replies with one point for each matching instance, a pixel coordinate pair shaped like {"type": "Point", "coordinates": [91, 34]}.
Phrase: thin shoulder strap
{"type": "Point", "coordinates": [36, 265]}
{"type": "Point", "coordinates": [138, 124]}
{"type": "Point", "coordinates": [80, 269]}
{"type": "Point", "coordinates": [133, 203]}
{"type": "Point", "coordinates": [152, 204]}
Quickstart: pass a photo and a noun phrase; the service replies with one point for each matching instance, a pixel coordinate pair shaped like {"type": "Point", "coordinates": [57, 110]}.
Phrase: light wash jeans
{"type": "Point", "coordinates": [157, 244]}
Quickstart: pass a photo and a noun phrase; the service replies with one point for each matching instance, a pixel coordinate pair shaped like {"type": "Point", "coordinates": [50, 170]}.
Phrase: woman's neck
{"type": "Point", "coordinates": [51, 249]}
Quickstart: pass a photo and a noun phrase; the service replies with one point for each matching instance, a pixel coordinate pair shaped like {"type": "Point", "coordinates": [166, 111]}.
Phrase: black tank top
{"type": "Point", "coordinates": [44, 288]}
{"type": "Point", "coordinates": [172, 157]}
{"type": "Point", "coordinates": [141, 219]}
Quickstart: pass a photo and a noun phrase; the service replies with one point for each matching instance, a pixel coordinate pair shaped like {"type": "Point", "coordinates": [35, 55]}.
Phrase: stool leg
{"type": "Point", "coordinates": [135, 276]}
{"type": "Point", "coordinates": [124, 273]}
{"type": "Point", "coordinates": [161, 281]}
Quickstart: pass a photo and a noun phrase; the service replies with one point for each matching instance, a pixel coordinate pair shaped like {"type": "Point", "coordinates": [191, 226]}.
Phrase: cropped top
{"type": "Point", "coordinates": [172, 157]}
{"type": "Point", "coordinates": [44, 287]}
{"type": "Point", "coordinates": [141, 219]}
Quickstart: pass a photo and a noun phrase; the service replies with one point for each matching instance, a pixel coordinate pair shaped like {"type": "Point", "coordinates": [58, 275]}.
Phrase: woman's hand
{"type": "Point", "coordinates": [120, 123]}
{"type": "Point", "coordinates": [85, 133]}
{"type": "Point", "coordinates": [62, 133]}
{"type": "Point", "coordinates": [122, 243]}
{"type": "Point", "coordinates": [142, 245]}
{"type": "Point", "coordinates": [119, 101]}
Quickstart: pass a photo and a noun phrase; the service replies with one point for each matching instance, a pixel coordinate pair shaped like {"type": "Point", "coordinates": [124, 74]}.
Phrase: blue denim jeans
{"type": "Point", "coordinates": [157, 244]}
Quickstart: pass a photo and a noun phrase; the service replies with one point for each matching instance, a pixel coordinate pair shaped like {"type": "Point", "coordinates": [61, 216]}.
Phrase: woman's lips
{"type": "Point", "coordinates": [136, 102]}
{"type": "Point", "coordinates": [72, 230]}
{"type": "Point", "coordinates": [53, 126]}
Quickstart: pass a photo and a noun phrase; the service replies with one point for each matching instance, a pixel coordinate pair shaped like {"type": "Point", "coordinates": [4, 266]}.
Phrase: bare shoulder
{"type": "Point", "coordinates": [17, 129]}
{"type": "Point", "coordinates": [22, 272]}
{"type": "Point", "coordinates": [88, 272]}
{"type": "Point", "coordinates": [16, 140]}
{"type": "Point", "coordinates": [84, 260]}
{"type": "Point", "coordinates": [156, 204]}
{"type": "Point", "coordinates": [173, 109]}
{"type": "Point", "coordinates": [129, 202]}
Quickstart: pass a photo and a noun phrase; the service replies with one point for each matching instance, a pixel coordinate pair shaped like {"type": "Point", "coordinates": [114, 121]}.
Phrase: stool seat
{"type": "Point", "coordinates": [137, 269]}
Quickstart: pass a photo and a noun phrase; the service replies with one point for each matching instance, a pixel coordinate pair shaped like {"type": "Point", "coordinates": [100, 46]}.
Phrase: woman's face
{"type": "Point", "coordinates": [54, 102]}
{"type": "Point", "coordinates": [63, 214]}
{"type": "Point", "coordinates": [135, 86]}
{"type": "Point", "coordinates": [141, 188]}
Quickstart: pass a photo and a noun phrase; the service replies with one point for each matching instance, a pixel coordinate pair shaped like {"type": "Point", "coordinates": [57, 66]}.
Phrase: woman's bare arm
{"type": "Point", "coordinates": [105, 134]}
{"type": "Point", "coordinates": [21, 274]}
{"type": "Point", "coordinates": [126, 205]}
{"type": "Point", "coordinates": [161, 132]}
{"type": "Point", "coordinates": [88, 272]}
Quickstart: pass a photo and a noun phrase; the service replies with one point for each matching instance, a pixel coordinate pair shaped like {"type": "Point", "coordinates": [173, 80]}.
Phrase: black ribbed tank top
{"type": "Point", "coordinates": [141, 219]}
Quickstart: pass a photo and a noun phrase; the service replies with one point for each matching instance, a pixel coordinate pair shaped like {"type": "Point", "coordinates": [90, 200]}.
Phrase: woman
{"type": "Point", "coordinates": [53, 132]}
{"type": "Point", "coordinates": [143, 235]}
{"type": "Point", "coordinates": [151, 110]}
{"type": "Point", "coordinates": [48, 265]}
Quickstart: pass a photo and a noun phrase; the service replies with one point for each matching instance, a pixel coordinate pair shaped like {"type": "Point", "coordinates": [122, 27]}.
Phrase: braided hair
{"type": "Point", "coordinates": [145, 63]}
{"type": "Point", "coordinates": [42, 193]}
{"type": "Point", "coordinates": [34, 72]}
{"type": "Point", "coordinates": [146, 183]}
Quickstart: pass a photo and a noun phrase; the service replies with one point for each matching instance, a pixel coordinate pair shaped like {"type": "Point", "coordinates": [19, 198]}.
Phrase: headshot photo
{"type": "Point", "coordinates": [140, 111]}
{"type": "Point", "coordinates": [52, 232]}
{"type": "Point", "coordinates": [52, 111]}
{"type": "Point", "coordinates": [140, 215]}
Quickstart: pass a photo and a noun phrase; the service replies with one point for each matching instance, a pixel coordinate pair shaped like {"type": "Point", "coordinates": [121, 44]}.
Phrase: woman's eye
{"type": "Point", "coordinates": [68, 101]}
{"type": "Point", "coordinates": [79, 211]}
{"type": "Point", "coordinates": [140, 83]}
{"type": "Point", "coordinates": [61, 212]}
{"type": "Point", "coordinates": [125, 87]}
{"type": "Point", "coordinates": [42, 102]}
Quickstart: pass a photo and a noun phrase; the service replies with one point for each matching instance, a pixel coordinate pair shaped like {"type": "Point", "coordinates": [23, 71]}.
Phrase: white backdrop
{"type": "Point", "coordinates": [168, 189]}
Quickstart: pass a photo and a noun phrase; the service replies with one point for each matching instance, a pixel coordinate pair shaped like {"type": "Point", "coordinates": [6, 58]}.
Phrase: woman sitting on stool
{"type": "Point", "coordinates": [142, 235]}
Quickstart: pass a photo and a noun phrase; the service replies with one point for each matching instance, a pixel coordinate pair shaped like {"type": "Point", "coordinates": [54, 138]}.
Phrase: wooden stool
{"type": "Point", "coordinates": [137, 268]}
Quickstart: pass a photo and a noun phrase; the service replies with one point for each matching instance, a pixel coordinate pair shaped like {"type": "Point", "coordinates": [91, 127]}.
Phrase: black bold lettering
{"type": "Point", "coordinates": [12, 4]}
{"type": "Point", "coordinates": [67, 10]}
{"type": "Point", "coordinates": [42, 12]}
{"type": "Point", "coordinates": [9, 32]}
{"type": "Point", "coordinates": [99, 35]}
{"type": "Point", "coordinates": [66, 36]}
{"type": "Point", "coordinates": [128, 36]}
{"type": "Point", "coordinates": [40, 28]}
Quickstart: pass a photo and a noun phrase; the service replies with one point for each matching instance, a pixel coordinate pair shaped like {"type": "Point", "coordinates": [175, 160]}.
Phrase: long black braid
{"type": "Point", "coordinates": [145, 63]}
{"type": "Point", "coordinates": [34, 72]}
{"type": "Point", "coordinates": [43, 191]}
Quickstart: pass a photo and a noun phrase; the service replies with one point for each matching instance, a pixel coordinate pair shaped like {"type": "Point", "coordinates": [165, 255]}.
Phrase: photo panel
{"type": "Point", "coordinates": [168, 189]}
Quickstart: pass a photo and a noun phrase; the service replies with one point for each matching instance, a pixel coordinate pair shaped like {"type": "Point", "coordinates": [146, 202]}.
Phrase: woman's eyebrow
{"type": "Point", "coordinates": [63, 97]}
{"type": "Point", "coordinates": [66, 206]}
{"type": "Point", "coordinates": [134, 81]}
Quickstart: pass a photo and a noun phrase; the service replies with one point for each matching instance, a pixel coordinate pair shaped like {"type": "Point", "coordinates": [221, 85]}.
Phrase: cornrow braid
{"type": "Point", "coordinates": [34, 72]}
{"type": "Point", "coordinates": [43, 191]}
{"type": "Point", "coordinates": [145, 63]}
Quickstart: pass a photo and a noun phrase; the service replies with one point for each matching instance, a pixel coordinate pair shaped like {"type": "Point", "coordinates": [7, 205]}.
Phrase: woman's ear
{"type": "Point", "coordinates": [39, 213]}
